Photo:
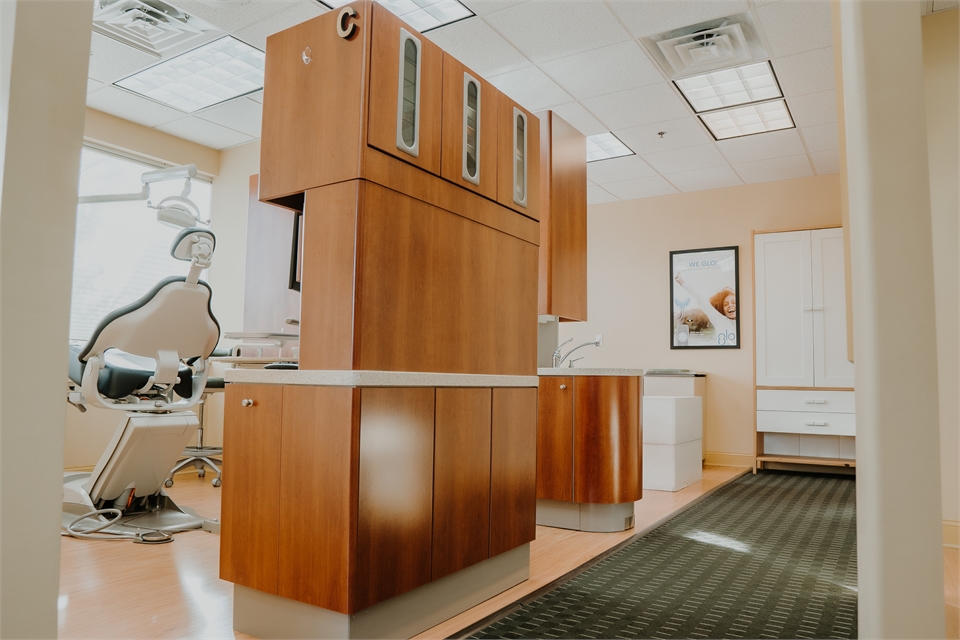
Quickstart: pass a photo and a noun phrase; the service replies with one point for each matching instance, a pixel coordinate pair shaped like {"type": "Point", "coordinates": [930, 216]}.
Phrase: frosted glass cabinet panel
{"type": "Point", "coordinates": [784, 295]}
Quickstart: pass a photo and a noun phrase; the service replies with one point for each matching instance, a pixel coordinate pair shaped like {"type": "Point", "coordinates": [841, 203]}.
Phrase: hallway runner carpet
{"type": "Point", "coordinates": [771, 555]}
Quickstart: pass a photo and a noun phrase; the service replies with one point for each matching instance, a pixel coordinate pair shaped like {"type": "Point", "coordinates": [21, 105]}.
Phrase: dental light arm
{"type": "Point", "coordinates": [175, 211]}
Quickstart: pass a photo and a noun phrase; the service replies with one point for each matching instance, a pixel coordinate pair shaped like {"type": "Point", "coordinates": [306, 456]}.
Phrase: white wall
{"type": "Point", "coordinates": [46, 68]}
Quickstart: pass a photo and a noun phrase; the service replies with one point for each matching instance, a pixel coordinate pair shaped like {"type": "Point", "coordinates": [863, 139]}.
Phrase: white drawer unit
{"type": "Point", "coordinates": [807, 400]}
{"type": "Point", "coordinates": [822, 424]}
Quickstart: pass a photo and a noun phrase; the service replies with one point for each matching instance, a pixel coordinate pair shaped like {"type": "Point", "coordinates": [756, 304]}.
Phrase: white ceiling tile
{"type": "Point", "coordinates": [641, 188]}
{"type": "Point", "coordinates": [713, 178]}
{"type": "Point", "coordinates": [687, 159]}
{"type": "Point", "coordinates": [128, 106]}
{"type": "Point", "coordinates": [257, 96]}
{"type": "Point", "coordinates": [241, 115]}
{"type": "Point", "coordinates": [618, 170]}
{"type": "Point", "coordinates": [544, 30]}
{"type": "Point", "coordinates": [531, 88]}
{"type": "Point", "coordinates": [206, 133]}
{"type": "Point", "coordinates": [652, 16]}
{"type": "Point", "coordinates": [775, 169]}
{"type": "Point", "coordinates": [827, 161]}
{"type": "Point", "coordinates": [685, 132]}
{"type": "Point", "coordinates": [945, 5]}
{"type": "Point", "coordinates": [821, 137]}
{"type": "Point", "coordinates": [610, 69]}
{"type": "Point", "coordinates": [598, 195]}
{"type": "Point", "coordinates": [646, 105]}
{"type": "Point", "coordinates": [807, 72]}
{"type": "Point", "coordinates": [112, 60]}
{"type": "Point", "coordinates": [486, 7]}
{"type": "Point", "coordinates": [233, 18]}
{"type": "Point", "coordinates": [256, 34]}
{"type": "Point", "coordinates": [795, 26]}
{"type": "Point", "coordinates": [93, 85]}
{"type": "Point", "coordinates": [814, 108]}
{"type": "Point", "coordinates": [579, 118]}
{"type": "Point", "coordinates": [762, 146]}
{"type": "Point", "coordinates": [477, 45]}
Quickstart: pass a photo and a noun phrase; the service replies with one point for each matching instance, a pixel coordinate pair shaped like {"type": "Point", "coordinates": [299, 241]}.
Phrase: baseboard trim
{"type": "Point", "coordinates": [951, 534]}
{"type": "Point", "coordinates": [720, 459]}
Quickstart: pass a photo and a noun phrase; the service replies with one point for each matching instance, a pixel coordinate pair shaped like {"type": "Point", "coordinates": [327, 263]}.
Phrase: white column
{"type": "Point", "coordinates": [45, 68]}
{"type": "Point", "coordinates": [898, 458]}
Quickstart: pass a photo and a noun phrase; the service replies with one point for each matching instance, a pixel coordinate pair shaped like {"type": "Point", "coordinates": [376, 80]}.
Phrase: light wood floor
{"type": "Point", "coordinates": [126, 590]}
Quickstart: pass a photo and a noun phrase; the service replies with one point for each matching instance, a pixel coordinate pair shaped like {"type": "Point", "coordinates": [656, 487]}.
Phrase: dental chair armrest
{"type": "Point", "coordinates": [91, 395]}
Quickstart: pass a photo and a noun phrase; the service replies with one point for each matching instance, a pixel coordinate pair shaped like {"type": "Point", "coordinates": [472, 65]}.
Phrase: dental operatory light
{"type": "Point", "coordinates": [604, 146]}
{"type": "Point", "coordinates": [218, 71]}
{"type": "Point", "coordinates": [422, 15]}
{"type": "Point", "coordinates": [179, 212]}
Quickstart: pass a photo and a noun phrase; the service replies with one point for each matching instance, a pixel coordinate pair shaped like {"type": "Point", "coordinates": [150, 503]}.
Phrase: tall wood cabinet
{"type": "Point", "coordinates": [805, 408]}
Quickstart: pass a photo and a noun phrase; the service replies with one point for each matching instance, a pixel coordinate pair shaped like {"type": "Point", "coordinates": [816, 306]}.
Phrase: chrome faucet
{"type": "Point", "coordinates": [556, 354]}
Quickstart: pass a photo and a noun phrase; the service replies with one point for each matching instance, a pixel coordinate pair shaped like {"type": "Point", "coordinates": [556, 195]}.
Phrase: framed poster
{"type": "Point", "coordinates": [705, 287]}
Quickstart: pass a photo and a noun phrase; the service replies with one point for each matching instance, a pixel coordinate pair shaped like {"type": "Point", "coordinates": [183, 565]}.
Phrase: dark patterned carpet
{"type": "Point", "coordinates": [766, 556]}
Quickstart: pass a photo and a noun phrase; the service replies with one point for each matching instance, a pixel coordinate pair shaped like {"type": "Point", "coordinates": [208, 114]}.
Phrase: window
{"type": "Point", "coordinates": [471, 129]}
{"type": "Point", "coordinates": [520, 152]}
{"type": "Point", "coordinates": [408, 100]}
{"type": "Point", "coordinates": [121, 250]}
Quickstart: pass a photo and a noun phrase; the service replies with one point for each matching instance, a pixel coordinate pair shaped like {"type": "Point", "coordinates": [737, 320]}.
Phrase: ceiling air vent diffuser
{"type": "Point", "coordinates": [150, 25]}
{"type": "Point", "coordinates": [715, 44]}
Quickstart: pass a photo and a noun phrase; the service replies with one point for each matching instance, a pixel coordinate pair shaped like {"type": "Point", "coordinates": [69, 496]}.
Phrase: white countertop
{"type": "Point", "coordinates": [588, 371]}
{"type": "Point", "coordinates": [348, 378]}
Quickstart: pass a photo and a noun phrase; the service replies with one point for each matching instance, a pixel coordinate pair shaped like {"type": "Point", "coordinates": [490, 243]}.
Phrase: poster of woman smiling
{"type": "Point", "coordinates": [705, 285]}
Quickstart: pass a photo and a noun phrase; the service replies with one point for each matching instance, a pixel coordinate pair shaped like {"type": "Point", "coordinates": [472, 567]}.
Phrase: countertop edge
{"type": "Point", "coordinates": [589, 371]}
{"type": "Point", "coordinates": [351, 378]}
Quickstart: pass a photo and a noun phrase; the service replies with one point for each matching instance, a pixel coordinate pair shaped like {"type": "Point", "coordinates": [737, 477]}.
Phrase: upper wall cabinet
{"type": "Point", "coordinates": [406, 77]}
{"type": "Point", "coordinates": [469, 153]}
{"type": "Point", "coordinates": [518, 165]}
{"type": "Point", "coordinates": [563, 219]}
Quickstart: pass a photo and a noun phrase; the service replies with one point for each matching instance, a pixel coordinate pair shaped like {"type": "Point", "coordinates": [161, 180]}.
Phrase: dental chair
{"type": "Point", "coordinates": [148, 360]}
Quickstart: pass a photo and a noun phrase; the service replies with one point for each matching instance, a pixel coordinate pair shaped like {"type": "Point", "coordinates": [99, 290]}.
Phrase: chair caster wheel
{"type": "Point", "coordinates": [216, 482]}
{"type": "Point", "coordinates": [168, 482]}
{"type": "Point", "coordinates": [202, 472]}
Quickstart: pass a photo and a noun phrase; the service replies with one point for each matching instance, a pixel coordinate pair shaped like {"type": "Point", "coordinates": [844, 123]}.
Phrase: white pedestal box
{"type": "Point", "coordinates": [672, 442]}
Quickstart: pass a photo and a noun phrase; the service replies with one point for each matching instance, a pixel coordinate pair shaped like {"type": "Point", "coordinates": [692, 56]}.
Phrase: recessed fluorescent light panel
{"type": "Point", "coordinates": [604, 146]}
{"type": "Point", "coordinates": [730, 87]}
{"type": "Point", "coordinates": [422, 15]}
{"type": "Point", "coordinates": [749, 119]}
{"type": "Point", "coordinates": [200, 78]}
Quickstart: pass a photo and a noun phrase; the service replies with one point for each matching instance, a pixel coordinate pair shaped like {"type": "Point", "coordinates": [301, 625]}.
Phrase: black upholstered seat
{"type": "Point", "coordinates": [124, 373]}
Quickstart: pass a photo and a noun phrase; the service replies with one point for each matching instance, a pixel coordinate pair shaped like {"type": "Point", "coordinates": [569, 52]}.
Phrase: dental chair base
{"type": "Point", "coordinates": [128, 481]}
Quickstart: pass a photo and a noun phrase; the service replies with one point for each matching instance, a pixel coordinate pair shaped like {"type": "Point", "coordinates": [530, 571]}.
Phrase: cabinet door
{"type": "Point", "coordinates": [830, 364]}
{"type": "Point", "coordinates": [518, 165]}
{"type": "Point", "coordinates": [395, 505]}
{"type": "Point", "coordinates": [555, 438]}
{"type": "Point", "coordinates": [404, 99]}
{"type": "Point", "coordinates": [461, 480]}
{"type": "Point", "coordinates": [513, 469]}
{"type": "Point", "coordinates": [250, 498]}
{"type": "Point", "coordinates": [468, 155]}
{"type": "Point", "coordinates": [607, 439]}
{"type": "Point", "coordinates": [784, 310]}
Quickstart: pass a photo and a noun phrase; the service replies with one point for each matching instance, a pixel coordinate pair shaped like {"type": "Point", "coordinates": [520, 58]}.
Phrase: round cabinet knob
{"type": "Point", "coordinates": [246, 402]}
{"type": "Point", "coordinates": [563, 386]}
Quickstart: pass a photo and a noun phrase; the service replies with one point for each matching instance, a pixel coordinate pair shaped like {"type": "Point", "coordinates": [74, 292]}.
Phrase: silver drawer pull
{"type": "Point", "coordinates": [563, 386]}
{"type": "Point", "coordinates": [812, 423]}
{"type": "Point", "coordinates": [246, 402]}
{"type": "Point", "coordinates": [814, 401]}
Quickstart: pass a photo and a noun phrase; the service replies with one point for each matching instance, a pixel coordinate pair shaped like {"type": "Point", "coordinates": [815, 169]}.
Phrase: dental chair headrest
{"type": "Point", "coordinates": [182, 247]}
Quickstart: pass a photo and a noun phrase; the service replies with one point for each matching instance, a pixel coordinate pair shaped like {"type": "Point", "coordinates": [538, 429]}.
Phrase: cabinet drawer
{"type": "Point", "coordinates": [811, 401]}
{"type": "Point", "coordinates": [833, 424]}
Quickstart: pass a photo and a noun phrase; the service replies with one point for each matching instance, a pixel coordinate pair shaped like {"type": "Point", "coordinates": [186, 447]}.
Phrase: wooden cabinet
{"type": "Point", "coordinates": [802, 351]}
{"type": "Point", "coordinates": [344, 497]}
{"type": "Point", "coordinates": [563, 219]}
{"type": "Point", "coordinates": [518, 153]}
{"type": "Point", "coordinates": [589, 439]}
{"type": "Point", "coordinates": [391, 282]}
{"type": "Point", "coordinates": [469, 129]}
{"type": "Point", "coordinates": [406, 85]}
